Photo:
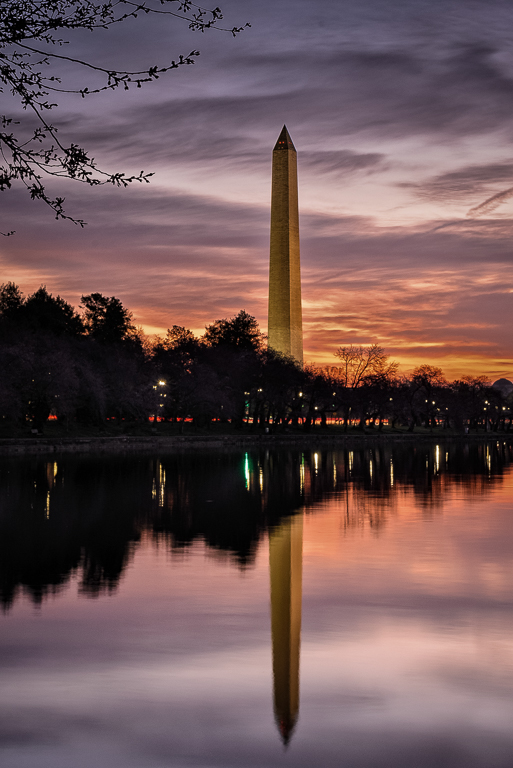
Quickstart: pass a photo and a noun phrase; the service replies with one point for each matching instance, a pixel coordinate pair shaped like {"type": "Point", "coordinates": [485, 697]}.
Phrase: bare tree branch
{"type": "Point", "coordinates": [28, 43]}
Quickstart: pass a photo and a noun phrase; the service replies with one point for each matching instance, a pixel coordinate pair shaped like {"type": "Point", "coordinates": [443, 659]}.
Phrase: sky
{"type": "Point", "coordinates": [402, 115]}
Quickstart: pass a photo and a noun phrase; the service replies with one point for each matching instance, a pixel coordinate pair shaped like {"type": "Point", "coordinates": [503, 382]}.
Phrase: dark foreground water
{"type": "Point", "coordinates": [333, 608]}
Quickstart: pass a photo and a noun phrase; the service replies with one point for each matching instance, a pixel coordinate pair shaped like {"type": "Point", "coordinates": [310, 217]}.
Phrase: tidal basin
{"type": "Point", "coordinates": [343, 607]}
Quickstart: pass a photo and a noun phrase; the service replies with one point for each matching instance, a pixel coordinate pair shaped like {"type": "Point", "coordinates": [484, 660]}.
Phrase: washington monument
{"type": "Point", "coordinates": [285, 327]}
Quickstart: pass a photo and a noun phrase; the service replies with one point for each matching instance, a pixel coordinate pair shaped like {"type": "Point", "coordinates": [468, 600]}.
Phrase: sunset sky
{"type": "Point", "coordinates": [402, 115]}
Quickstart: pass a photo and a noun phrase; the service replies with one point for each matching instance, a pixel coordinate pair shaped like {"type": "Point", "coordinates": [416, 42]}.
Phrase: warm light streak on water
{"type": "Point", "coordinates": [162, 485]}
{"type": "Point", "coordinates": [137, 624]}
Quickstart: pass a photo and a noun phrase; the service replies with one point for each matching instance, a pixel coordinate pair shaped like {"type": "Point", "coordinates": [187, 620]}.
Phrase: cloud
{"type": "Point", "coordinates": [342, 161]}
{"type": "Point", "coordinates": [190, 259]}
{"type": "Point", "coordinates": [491, 204]}
{"type": "Point", "coordinates": [462, 183]}
{"type": "Point", "coordinates": [386, 92]}
{"type": "Point", "coordinates": [325, 96]}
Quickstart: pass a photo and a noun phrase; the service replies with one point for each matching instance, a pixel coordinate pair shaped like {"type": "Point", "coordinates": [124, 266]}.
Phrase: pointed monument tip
{"type": "Point", "coordinates": [286, 728]}
{"type": "Point", "coordinates": [284, 140]}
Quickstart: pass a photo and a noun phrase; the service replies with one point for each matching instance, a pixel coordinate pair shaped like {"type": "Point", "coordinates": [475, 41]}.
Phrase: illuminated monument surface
{"type": "Point", "coordinates": [286, 560]}
{"type": "Point", "coordinates": [285, 327]}
{"type": "Point", "coordinates": [285, 330]}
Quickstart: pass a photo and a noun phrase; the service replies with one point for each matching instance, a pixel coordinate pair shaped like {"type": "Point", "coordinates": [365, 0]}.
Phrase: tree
{"type": "Point", "coordinates": [241, 332]}
{"type": "Point", "coordinates": [32, 36]}
{"type": "Point", "coordinates": [11, 299]}
{"type": "Point", "coordinates": [378, 391]}
{"type": "Point", "coordinates": [179, 346]}
{"type": "Point", "coordinates": [276, 392]}
{"type": "Point", "coordinates": [107, 320]}
{"type": "Point", "coordinates": [205, 395]}
{"type": "Point", "coordinates": [39, 377]}
{"type": "Point", "coordinates": [42, 311]}
{"type": "Point", "coordinates": [359, 363]}
{"type": "Point", "coordinates": [476, 401]}
{"type": "Point", "coordinates": [39, 312]}
{"type": "Point", "coordinates": [427, 386]}
{"type": "Point", "coordinates": [429, 377]}
{"type": "Point", "coordinates": [173, 359]}
{"type": "Point", "coordinates": [319, 395]}
{"type": "Point", "coordinates": [364, 370]}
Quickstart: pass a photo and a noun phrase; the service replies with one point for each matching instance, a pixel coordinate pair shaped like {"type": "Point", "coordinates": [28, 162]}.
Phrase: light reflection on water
{"type": "Point", "coordinates": [206, 609]}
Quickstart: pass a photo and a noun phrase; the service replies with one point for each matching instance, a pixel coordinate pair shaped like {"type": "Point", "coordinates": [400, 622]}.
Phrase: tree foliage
{"type": "Point", "coordinates": [241, 332]}
{"type": "Point", "coordinates": [40, 312]}
{"type": "Point", "coordinates": [107, 320]}
{"type": "Point", "coordinates": [11, 299]}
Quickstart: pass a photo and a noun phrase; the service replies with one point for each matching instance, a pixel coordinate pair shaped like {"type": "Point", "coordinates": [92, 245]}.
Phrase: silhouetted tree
{"type": "Point", "coordinates": [172, 359]}
{"type": "Point", "coordinates": [12, 375]}
{"type": "Point", "coordinates": [206, 395]}
{"type": "Point", "coordinates": [376, 394]}
{"type": "Point", "coordinates": [428, 383]}
{"type": "Point", "coordinates": [356, 363]}
{"type": "Point", "coordinates": [39, 312]}
{"type": "Point", "coordinates": [469, 395]}
{"type": "Point", "coordinates": [11, 300]}
{"type": "Point", "coordinates": [44, 376]}
{"type": "Point", "coordinates": [317, 397]}
{"type": "Point", "coordinates": [106, 319]}
{"type": "Point", "coordinates": [241, 331]}
{"type": "Point", "coordinates": [275, 393]}
{"type": "Point", "coordinates": [181, 342]}
{"type": "Point", "coordinates": [361, 381]}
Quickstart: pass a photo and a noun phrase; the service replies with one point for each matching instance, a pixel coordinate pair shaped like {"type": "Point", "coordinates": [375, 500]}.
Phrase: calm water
{"type": "Point", "coordinates": [334, 608]}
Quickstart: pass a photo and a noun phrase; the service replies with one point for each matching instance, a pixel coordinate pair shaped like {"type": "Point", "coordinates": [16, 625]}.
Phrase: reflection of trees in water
{"type": "Point", "coordinates": [372, 480]}
{"type": "Point", "coordinates": [84, 516]}
{"type": "Point", "coordinates": [225, 499]}
{"type": "Point", "coordinates": [80, 520]}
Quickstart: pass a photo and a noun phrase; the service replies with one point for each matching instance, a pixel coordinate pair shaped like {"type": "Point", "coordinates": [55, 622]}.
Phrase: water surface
{"type": "Point", "coordinates": [349, 607]}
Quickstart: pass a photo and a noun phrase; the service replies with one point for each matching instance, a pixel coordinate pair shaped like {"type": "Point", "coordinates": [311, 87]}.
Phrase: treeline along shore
{"type": "Point", "coordinates": [65, 372]}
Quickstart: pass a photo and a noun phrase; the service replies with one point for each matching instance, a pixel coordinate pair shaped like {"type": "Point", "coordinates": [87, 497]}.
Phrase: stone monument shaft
{"type": "Point", "coordinates": [285, 327]}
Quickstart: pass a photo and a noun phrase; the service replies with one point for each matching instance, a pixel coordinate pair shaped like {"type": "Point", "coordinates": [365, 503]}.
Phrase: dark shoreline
{"type": "Point", "coordinates": [132, 444]}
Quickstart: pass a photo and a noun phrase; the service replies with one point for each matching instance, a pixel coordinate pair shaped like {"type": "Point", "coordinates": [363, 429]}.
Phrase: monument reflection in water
{"type": "Point", "coordinates": [156, 540]}
{"type": "Point", "coordinates": [286, 565]}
